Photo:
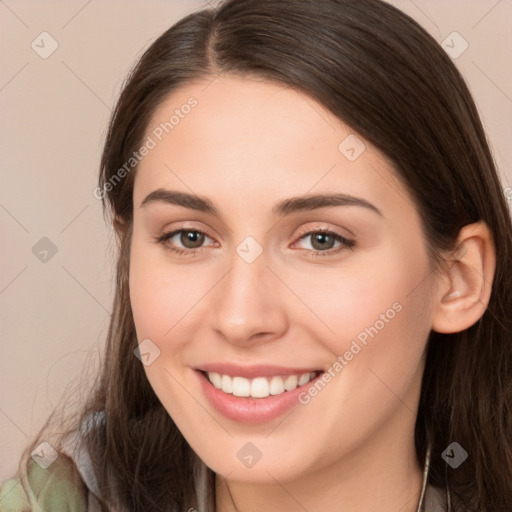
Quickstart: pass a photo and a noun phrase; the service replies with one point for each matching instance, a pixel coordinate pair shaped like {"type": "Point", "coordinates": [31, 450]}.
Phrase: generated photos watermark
{"type": "Point", "coordinates": [157, 135]}
{"type": "Point", "coordinates": [357, 345]}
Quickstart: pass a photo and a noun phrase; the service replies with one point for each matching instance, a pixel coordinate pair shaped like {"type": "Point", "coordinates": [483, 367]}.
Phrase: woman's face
{"type": "Point", "coordinates": [296, 250]}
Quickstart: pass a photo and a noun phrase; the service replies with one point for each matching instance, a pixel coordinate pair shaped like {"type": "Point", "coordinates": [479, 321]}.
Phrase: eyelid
{"type": "Point", "coordinates": [321, 229]}
{"type": "Point", "coordinates": [167, 235]}
{"type": "Point", "coordinates": [185, 225]}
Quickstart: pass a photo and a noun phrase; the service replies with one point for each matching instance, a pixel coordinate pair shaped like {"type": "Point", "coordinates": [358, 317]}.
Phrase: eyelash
{"type": "Point", "coordinates": [345, 243]}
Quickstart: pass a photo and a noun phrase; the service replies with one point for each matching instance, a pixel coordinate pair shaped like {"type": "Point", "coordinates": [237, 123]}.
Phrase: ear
{"type": "Point", "coordinates": [466, 283]}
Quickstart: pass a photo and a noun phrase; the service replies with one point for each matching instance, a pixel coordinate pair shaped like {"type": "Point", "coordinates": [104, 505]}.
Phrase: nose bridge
{"type": "Point", "coordinates": [246, 303]}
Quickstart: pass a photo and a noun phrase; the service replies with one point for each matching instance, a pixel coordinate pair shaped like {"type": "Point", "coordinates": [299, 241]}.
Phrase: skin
{"type": "Point", "coordinates": [247, 145]}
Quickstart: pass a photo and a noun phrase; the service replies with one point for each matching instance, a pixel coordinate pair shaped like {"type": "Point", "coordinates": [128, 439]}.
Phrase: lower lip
{"type": "Point", "coordinates": [249, 409]}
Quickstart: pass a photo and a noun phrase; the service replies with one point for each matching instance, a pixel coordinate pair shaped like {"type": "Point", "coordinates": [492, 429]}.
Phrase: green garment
{"type": "Point", "coordinates": [56, 489]}
{"type": "Point", "coordinates": [68, 485]}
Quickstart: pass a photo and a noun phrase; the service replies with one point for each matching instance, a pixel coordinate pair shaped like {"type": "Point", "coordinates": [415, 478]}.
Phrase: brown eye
{"type": "Point", "coordinates": [192, 239]}
{"type": "Point", "coordinates": [184, 240]}
{"type": "Point", "coordinates": [322, 241]}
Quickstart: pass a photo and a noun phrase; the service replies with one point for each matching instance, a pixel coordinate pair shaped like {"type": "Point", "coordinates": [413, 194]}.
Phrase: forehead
{"type": "Point", "coordinates": [236, 132]}
{"type": "Point", "coordinates": [251, 111]}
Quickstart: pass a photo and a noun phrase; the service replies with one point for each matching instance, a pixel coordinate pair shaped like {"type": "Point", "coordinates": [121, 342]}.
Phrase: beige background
{"type": "Point", "coordinates": [54, 116]}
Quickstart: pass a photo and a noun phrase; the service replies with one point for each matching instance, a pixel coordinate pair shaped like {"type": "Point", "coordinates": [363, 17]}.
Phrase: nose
{"type": "Point", "coordinates": [247, 304]}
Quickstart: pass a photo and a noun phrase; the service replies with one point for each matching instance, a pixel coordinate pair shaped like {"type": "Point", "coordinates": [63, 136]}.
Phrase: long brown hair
{"type": "Point", "coordinates": [383, 75]}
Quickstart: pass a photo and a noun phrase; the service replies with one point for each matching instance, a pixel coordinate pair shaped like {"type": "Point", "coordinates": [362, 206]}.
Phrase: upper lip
{"type": "Point", "coordinates": [252, 371]}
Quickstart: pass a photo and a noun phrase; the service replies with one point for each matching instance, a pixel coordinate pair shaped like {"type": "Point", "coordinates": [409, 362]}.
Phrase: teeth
{"type": "Point", "coordinates": [276, 386]}
{"type": "Point", "coordinates": [241, 386]}
{"type": "Point", "coordinates": [216, 380]}
{"type": "Point", "coordinates": [305, 377]}
{"type": "Point", "coordinates": [260, 387]}
{"type": "Point", "coordinates": [226, 384]}
{"type": "Point", "coordinates": [291, 382]}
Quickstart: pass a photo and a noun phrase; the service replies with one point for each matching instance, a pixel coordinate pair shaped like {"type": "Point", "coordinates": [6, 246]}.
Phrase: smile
{"type": "Point", "coordinates": [263, 394]}
{"type": "Point", "coordinates": [259, 387]}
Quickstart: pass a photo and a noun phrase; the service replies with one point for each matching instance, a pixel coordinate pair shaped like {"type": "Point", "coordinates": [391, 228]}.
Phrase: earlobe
{"type": "Point", "coordinates": [466, 284]}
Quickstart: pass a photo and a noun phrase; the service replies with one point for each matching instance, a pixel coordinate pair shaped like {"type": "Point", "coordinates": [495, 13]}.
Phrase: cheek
{"type": "Point", "coordinates": [377, 306]}
{"type": "Point", "coordinates": [378, 322]}
{"type": "Point", "coordinates": [160, 294]}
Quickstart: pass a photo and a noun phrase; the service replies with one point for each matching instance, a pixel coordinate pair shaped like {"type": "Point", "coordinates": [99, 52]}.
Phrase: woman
{"type": "Point", "coordinates": [313, 286]}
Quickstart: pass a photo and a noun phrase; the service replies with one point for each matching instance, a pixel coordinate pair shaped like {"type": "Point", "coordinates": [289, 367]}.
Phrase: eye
{"type": "Point", "coordinates": [190, 239]}
{"type": "Point", "coordinates": [324, 241]}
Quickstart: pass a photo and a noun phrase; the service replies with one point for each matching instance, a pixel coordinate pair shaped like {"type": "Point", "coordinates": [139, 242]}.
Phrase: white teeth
{"type": "Point", "coordinates": [276, 386]}
{"type": "Point", "coordinates": [305, 377]}
{"type": "Point", "coordinates": [216, 380]}
{"type": "Point", "coordinates": [291, 382]}
{"type": "Point", "coordinates": [241, 386]}
{"type": "Point", "coordinates": [226, 384]}
{"type": "Point", "coordinates": [259, 387]}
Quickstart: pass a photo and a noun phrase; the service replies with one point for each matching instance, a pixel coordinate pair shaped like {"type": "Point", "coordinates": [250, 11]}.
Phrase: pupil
{"type": "Point", "coordinates": [321, 239]}
{"type": "Point", "coordinates": [193, 237]}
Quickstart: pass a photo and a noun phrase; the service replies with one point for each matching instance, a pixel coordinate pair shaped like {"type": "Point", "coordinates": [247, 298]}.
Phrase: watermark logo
{"type": "Point", "coordinates": [454, 455]}
{"type": "Point", "coordinates": [45, 455]}
{"type": "Point", "coordinates": [455, 45]}
{"type": "Point", "coordinates": [249, 249]}
{"type": "Point", "coordinates": [147, 352]}
{"type": "Point", "coordinates": [249, 455]}
{"type": "Point", "coordinates": [44, 45]}
{"type": "Point", "coordinates": [44, 250]}
{"type": "Point", "coordinates": [351, 147]}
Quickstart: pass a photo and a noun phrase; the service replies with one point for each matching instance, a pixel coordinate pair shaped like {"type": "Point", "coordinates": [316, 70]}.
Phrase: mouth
{"type": "Point", "coordinates": [259, 387]}
{"type": "Point", "coordinates": [255, 399]}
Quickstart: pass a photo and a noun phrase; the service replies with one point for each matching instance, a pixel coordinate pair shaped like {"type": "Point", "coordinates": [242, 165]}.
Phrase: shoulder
{"type": "Point", "coordinates": [56, 488]}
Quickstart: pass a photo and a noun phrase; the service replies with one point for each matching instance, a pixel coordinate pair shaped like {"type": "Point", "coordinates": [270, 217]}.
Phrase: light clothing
{"type": "Point", "coordinates": [56, 490]}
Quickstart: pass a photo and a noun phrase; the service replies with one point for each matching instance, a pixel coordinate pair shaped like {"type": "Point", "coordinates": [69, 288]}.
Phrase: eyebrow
{"type": "Point", "coordinates": [285, 207]}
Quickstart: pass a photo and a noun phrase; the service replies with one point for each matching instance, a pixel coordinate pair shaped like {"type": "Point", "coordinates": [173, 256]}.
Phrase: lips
{"type": "Point", "coordinates": [255, 403]}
